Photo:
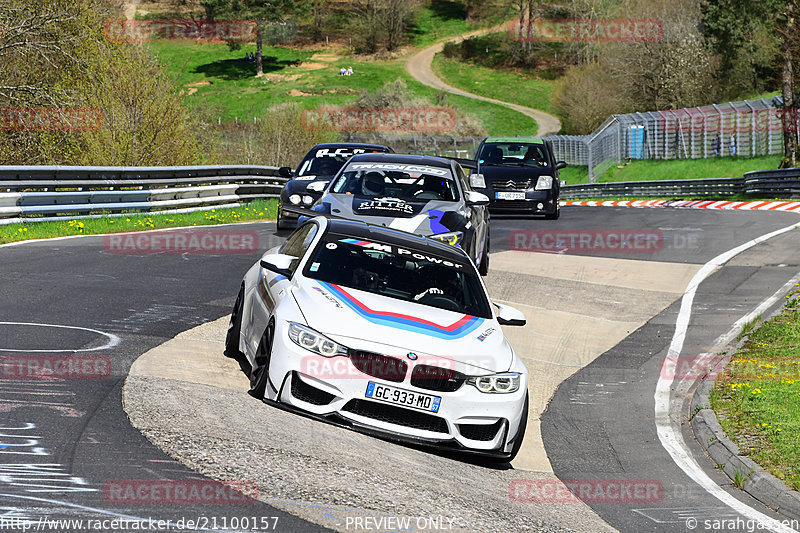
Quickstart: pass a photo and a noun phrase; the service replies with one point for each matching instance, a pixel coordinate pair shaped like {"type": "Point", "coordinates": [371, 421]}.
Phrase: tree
{"type": "Point", "coordinates": [791, 38]}
{"type": "Point", "coordinates": [263, 12]}
{"type": "Point", "coordinates": [759, 40]}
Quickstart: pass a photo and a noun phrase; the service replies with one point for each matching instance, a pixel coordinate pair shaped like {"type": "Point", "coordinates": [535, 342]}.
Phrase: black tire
{"type": "Point", "coordinates": [483, 268]}
{"type": "Point", "coordinates": [235, 328]}
{"type": "Point", "coordinates": [259, 373]}
{"type": "Point", "coordinates": [555, 214]}
{"type": "Point", "coordinates": [521, 431]}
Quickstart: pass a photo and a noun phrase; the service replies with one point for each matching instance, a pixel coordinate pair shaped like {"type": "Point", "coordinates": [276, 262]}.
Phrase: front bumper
{"type": "Point", "coordinates": [535, 202]}
{"type": "Point", "coordinates": [334, 389]}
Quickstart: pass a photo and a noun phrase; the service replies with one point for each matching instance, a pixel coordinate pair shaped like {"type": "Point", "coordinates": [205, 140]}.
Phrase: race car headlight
{"type": "Point", "coordinates": [295, 199]}
{"type": "Point", "coordinates": [452, 238]}
{"type": "Point", "coordinates": [312, 341]}
{"type": "Point", "coordinates": [544, 182]}
{"type": "Point", "coordinates": [496, 383]}
{"type": "Point", "coordinates": [308, 200]}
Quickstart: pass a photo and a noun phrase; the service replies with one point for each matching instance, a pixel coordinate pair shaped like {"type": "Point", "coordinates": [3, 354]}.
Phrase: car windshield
{"type": "Point", "coordinates": [513, 153]}
{"type": "Point", "coordinates": [327, 161]}
{"type": "Point", "coordinates": [398, 181]}
{"type": "Point", "coordinates": [397, 272]}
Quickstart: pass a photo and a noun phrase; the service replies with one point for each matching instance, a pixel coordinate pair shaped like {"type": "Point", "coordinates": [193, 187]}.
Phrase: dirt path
{"type": "Point", "coordinates": [419, 66]}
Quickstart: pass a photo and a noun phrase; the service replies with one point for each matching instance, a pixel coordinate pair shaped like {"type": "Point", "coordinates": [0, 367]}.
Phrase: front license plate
{"type": "Point", "coordinates": [509, 195]}
{"type": "Point", "coordinates": [406, 398]}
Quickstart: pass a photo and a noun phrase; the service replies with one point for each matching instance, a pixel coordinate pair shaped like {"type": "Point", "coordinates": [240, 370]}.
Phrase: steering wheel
{"type": "Point", "coordinates": [440, 301]}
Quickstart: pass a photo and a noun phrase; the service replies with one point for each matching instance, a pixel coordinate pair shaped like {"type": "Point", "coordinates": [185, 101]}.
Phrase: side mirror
{"type": "Point", "coordinates": [509, 316]}
{"type": "Point", "coordinates": [477, 198]}
{"type": "Point", "coordinates": [476, 181]}
{"type": "Point", "coordinates": [560, 165]}
{"type": "Point", "coordinates": [285, 172]}
{"type": "Point", "coordinates": [317, 186]}
{"type": "Point", "coordinates": [278, 263]}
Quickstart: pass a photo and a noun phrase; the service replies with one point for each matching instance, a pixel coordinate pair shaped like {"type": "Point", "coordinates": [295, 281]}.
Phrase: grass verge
{"type": "Point", "coordinates": [757, 397]}
{"type": "Point", "coordinates": [673, 169]}
{"type": "Point", "coordinates": [253, 211]}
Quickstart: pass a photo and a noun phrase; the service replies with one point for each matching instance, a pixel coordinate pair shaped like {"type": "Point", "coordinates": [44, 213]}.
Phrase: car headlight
{"type": "Point", "coordinates": [496, 383]}
{"type": "Point", "coordinates": [452, 238]}
{"type": "Point", "coordinates": [308, 200]}
{"type": "Point", "coordinates": [295, 199]}
{"type": "Point", "coordinates": [544, 182]}
{"type": "Point", "coordinates": [312, 341]}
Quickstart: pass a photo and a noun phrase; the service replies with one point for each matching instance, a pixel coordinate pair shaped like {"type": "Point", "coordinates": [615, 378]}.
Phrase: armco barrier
{"type": "Point", "coordinates": [53, 192]}
{"type": "Point", "coordinates": [781, 183]}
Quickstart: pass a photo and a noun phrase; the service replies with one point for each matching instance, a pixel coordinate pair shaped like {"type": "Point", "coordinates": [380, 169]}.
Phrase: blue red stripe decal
{"type": "Point", "coordinates": [460, 328]}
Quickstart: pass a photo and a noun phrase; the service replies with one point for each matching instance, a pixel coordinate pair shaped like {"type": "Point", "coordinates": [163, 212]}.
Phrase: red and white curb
{"type": "Point", "coordinates": [692, 204]}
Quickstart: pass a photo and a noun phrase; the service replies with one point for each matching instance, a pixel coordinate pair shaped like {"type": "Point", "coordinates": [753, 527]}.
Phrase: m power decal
{"type": "Point", "coordinates": [458, 329]}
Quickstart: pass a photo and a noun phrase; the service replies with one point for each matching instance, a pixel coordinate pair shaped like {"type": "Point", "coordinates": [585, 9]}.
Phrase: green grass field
{"type": "Point", "coordinates": [503, 85]}
{"type": "Point", "coordinates": [445, 18]}
{"type": "Point", "coordinates": [225, 85]}
{"type": "Point", "coordinates": [757, 397]}
{"type": "Point", "coordinates": [675, 169]}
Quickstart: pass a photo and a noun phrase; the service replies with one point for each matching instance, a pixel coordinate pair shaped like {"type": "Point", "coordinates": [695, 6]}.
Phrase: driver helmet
{"type": "Point", "coordinates": [372, 184]}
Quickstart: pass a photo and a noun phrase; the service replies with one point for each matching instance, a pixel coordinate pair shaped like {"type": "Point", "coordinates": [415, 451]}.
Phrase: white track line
{"type": "Point", "coordinates": [669, 430]}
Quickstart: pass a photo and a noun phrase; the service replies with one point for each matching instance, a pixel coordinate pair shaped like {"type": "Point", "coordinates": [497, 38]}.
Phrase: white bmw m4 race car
{"type": "Point", "coordinates": [382, 331]}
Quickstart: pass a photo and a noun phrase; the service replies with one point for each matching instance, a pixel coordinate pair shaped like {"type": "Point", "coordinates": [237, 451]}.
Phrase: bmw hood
{"type": "Point", "coordinates": [428, 217]}
{"type": "Point", "coordinates": [367, 321]}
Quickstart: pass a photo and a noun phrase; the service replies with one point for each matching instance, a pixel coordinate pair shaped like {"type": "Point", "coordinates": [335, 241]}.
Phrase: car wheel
{"type": "Point", "coordinates": [483, 268]}
{"type": "Point", "coordinates": [259, 373]}
{"type": "Point", "coordinates": [235, 328]}
{"type": "Point", "coordinates": [555, 214]}
{"type": "Point", "coordinates": [521, 431]}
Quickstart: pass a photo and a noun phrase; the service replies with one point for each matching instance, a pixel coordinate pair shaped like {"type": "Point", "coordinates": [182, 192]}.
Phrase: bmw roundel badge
{"type": "Point", "coordinates": [412, 356]}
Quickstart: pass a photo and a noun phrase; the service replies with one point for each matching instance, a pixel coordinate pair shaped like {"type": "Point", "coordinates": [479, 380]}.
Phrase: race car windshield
{"type": "Point", "coordinates": [520, 154]}
{"type": "Point", "coordinates": [403, 182]}
{"type": "Point", "coordinates": [327, 165]}
{"type": "Point", "coordinates": [397, 272]}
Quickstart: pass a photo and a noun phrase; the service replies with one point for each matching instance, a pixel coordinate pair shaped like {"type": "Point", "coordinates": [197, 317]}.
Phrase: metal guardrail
{"type": "Point", "coordinates": [782, 183]}
{"type": "Point", "coordinates": [51, 192]}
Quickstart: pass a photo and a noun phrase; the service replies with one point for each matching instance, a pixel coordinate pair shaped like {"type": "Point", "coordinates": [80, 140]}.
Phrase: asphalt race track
{"type": "Point", "coordinates": [65, 442]}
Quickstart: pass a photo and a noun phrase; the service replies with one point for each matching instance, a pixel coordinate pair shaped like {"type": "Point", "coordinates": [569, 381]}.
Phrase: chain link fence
{"type": "Point", "coordinates": [748, 128]}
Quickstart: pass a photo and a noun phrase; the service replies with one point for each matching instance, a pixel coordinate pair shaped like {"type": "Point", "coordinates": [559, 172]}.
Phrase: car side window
{"type": "Point", "coordinates": [298, 243]}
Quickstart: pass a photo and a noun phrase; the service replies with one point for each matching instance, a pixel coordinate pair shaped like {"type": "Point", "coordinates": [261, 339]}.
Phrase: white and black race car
{"type": "Point", "coordinates": [382, 331]}
{"type": "Point", "coordinates": [430, 196]}
{"type": "Point", "coordinates": [312, 175]}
